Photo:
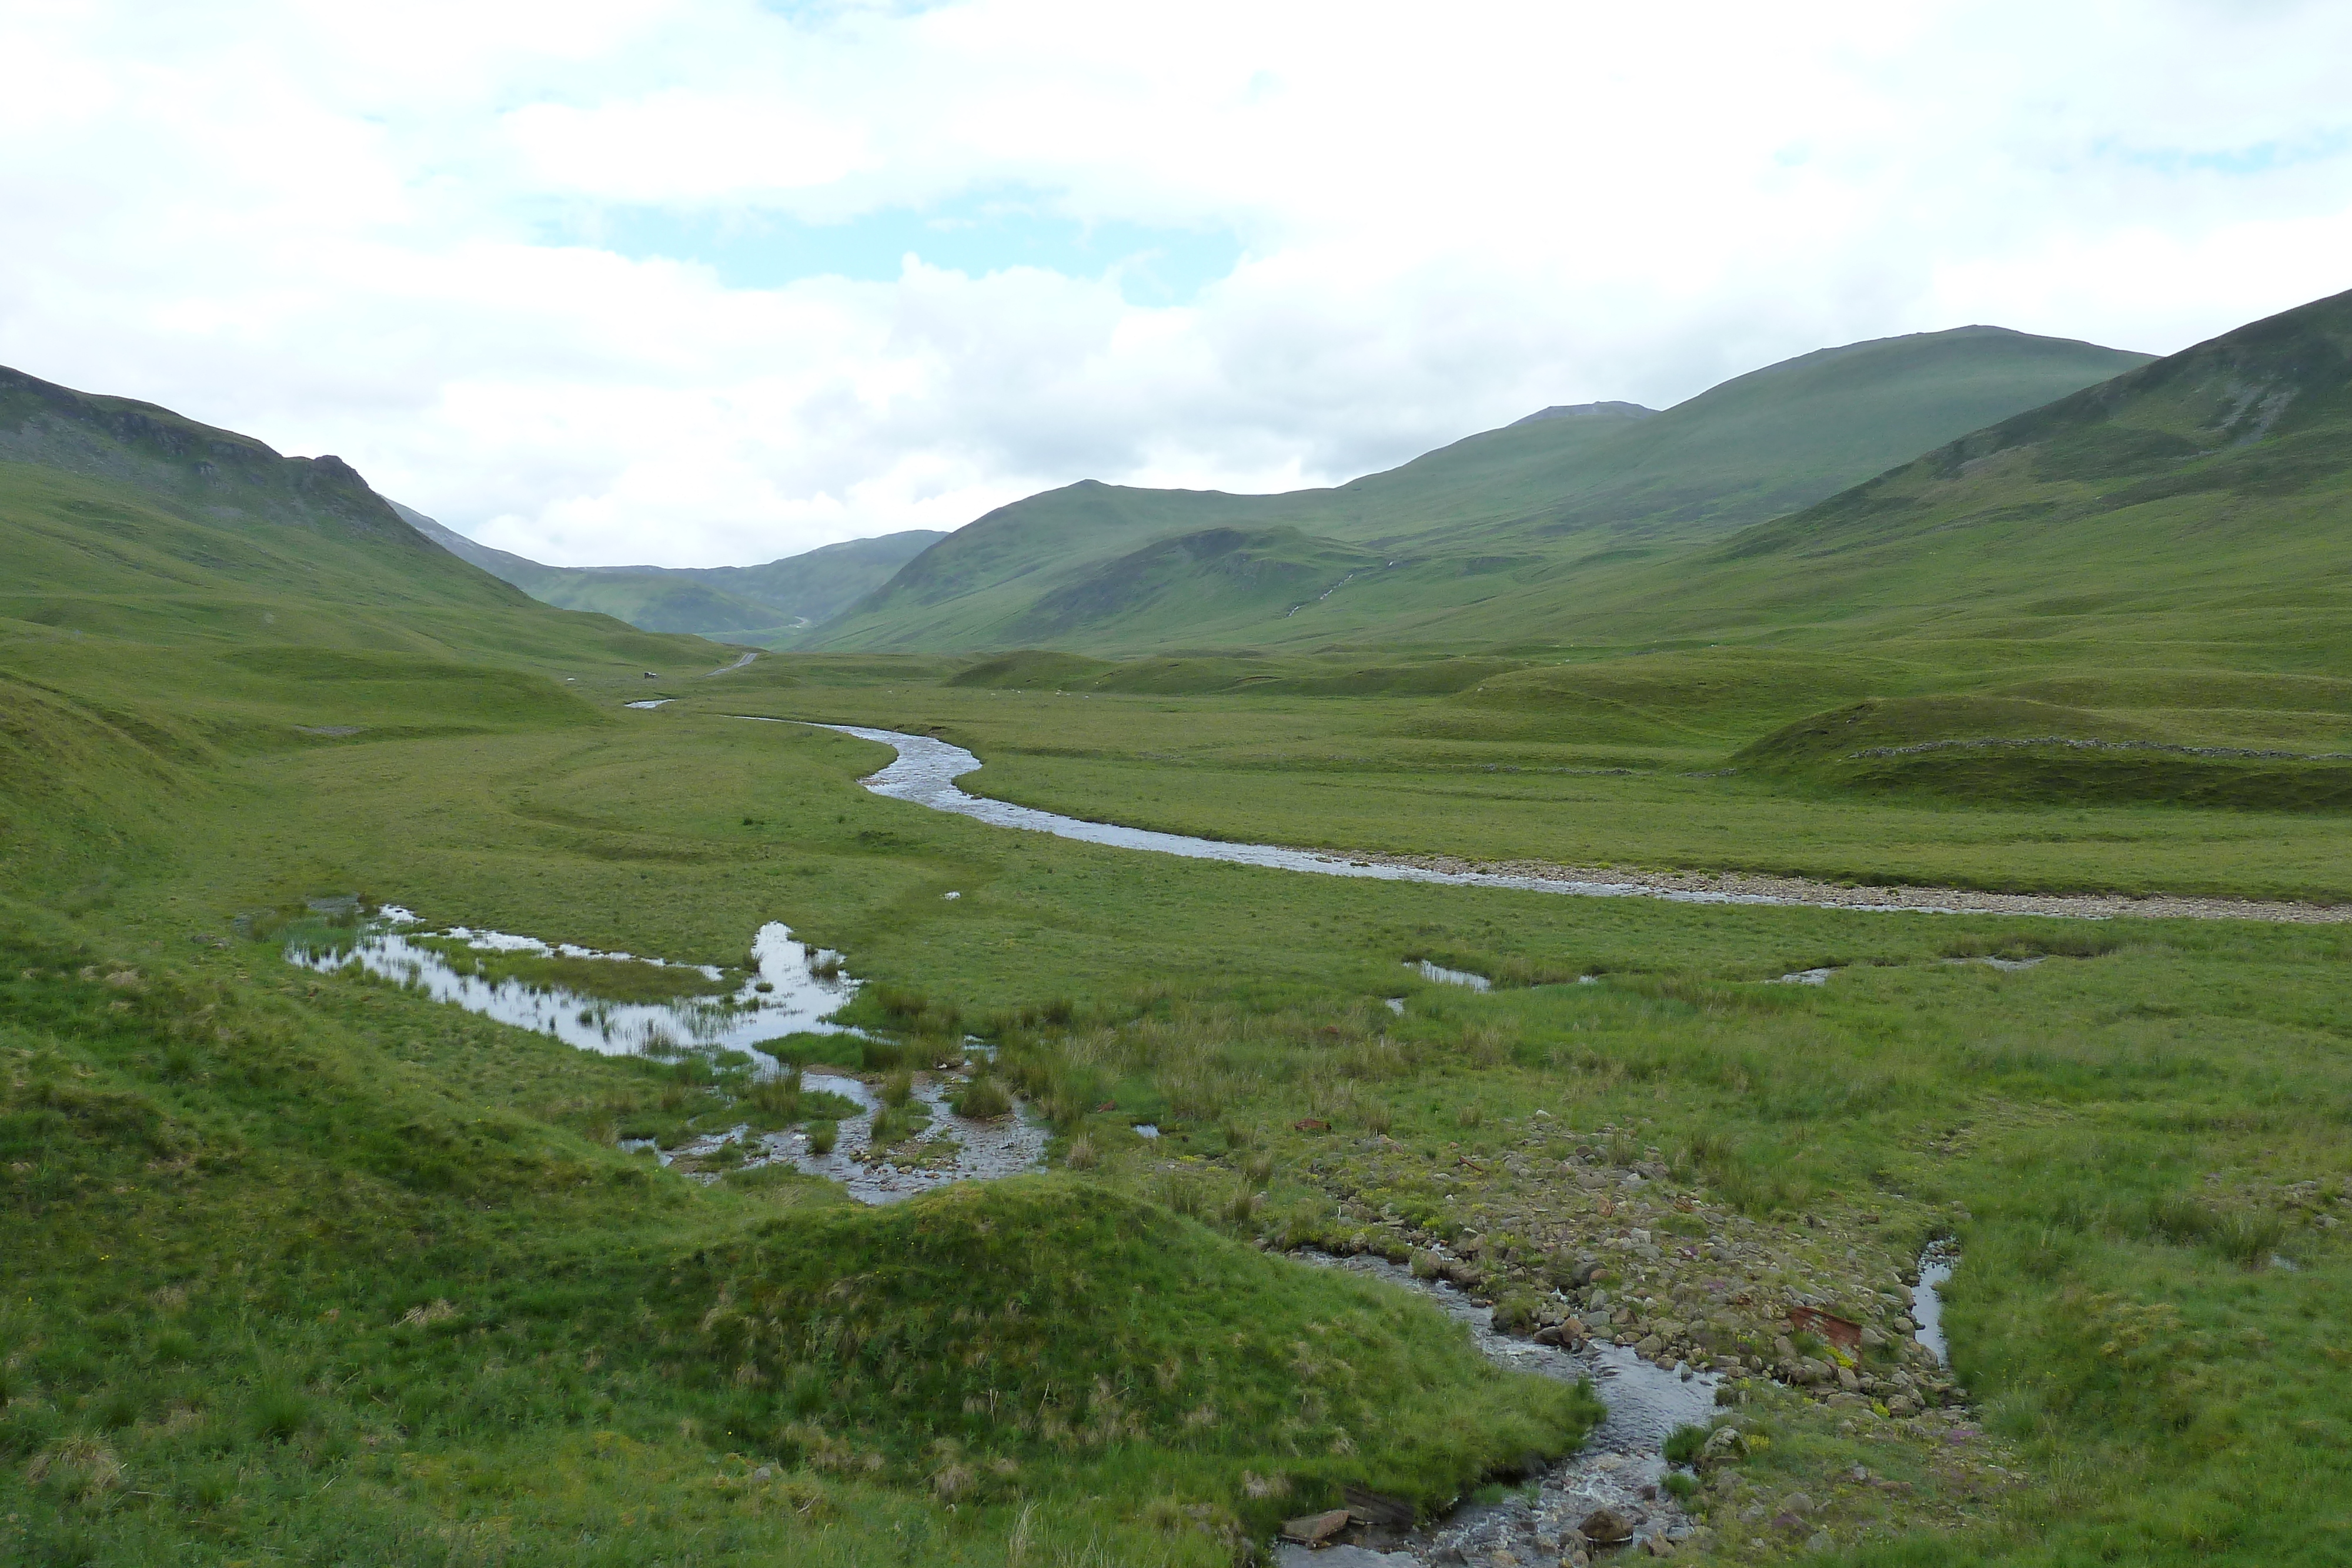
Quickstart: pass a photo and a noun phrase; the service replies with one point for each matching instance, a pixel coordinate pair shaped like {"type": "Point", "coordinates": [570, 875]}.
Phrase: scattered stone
{"type": "Point", "coordinates": [1315, 1529]}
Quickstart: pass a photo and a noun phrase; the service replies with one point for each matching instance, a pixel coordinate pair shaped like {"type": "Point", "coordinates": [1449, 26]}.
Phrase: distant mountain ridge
{"type": "Point", "coordinates": [1527, 507]}
{"type": "Point", "coordinates": [770, 605]}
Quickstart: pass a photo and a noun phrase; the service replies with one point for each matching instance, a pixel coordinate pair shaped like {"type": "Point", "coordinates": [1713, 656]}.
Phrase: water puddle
{"type": "Point", "coordinates": [1807, 977]}
{"type": "Point", "coordinates": [650, 702]}
{"type": "Point", "coordinates": [2009, 966]}
{"type": "Point", "coordinates": [1619, 1468]}
{"type": "Point", "coordinates": [792, 988]}
{"type": "Point", "coordinates": [1445, 976]}
{"type": "Point", "coordinates": [1936, 1265]}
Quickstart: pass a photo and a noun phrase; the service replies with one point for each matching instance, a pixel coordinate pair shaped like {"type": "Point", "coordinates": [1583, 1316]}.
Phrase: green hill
{"type": "Point", "coordinates": [1528, 509]}
{"type": "Point", "coordinates": [2172, 539]}
{"type": "Point", "coordinates": [129, 522]}
{"type": "Point", "coordinates": [769, 606]}
{"type": "Point", "coordinates": [178, 596]}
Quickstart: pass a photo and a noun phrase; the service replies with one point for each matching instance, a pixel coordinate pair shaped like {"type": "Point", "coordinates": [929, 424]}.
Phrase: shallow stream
{"type": "Point", "coordinates": [1619, 1467]}
{"type": "Point", "coordinates": [1936, 1265]}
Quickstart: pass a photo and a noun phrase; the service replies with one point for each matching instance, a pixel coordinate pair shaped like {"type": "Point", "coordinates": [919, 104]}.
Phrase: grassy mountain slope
{"type": "Point", "coordinates": [178, 596]}
{"type": "Point", "coordinates": [1522, 509]}
{"type": "Point", "coordinates": [2189, 514]}
{"type": "Point", "coordinates": [768, 606]}
{"type": "Point", "coordinates": [129, 521]}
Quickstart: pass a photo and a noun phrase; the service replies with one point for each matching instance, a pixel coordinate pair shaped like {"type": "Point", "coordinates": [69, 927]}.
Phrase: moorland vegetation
{"type": "Point", "coordinates": [308, 1266]}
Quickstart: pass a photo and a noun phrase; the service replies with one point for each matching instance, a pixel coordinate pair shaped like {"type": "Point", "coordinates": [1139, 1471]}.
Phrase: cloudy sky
{"type": "Point", "coordinates": [714, 281]}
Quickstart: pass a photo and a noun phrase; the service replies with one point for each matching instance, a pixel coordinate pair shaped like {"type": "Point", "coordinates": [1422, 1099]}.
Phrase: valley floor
{"type": "Point", "coordinates": [308, 1267]}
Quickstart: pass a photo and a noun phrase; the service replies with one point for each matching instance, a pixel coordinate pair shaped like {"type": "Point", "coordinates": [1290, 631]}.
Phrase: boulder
{"type": "Point", "coordinates": [1605, 1527]}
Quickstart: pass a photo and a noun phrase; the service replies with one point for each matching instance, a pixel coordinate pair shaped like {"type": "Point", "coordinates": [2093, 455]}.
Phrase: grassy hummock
{"type": "Point", "coordinates": [1007, 1330]}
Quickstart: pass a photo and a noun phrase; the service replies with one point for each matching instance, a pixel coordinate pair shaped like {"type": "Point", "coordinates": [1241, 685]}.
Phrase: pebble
{"type": "Point", "coordinates": [1831, 895]}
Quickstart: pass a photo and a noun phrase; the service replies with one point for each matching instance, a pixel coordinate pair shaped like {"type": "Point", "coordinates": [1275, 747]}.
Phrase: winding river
{"type": "Point", "coordinates": [927, 768]}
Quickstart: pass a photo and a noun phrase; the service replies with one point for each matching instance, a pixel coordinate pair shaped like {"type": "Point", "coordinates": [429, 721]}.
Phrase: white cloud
{"type": "Point", "coordinates": [358, 229]}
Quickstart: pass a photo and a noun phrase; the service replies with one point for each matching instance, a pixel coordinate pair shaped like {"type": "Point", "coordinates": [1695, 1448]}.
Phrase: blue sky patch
{"type": "Point", "coordinates": [2260, 158]}
{"type": "Point", "coordinates": [974, 235]}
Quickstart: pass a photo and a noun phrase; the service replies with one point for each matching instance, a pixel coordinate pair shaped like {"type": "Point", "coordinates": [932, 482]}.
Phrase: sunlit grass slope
{"type": "Point", "coordinates": [1512, 511]}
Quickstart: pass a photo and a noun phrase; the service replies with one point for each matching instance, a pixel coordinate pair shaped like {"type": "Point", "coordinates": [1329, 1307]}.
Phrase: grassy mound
{"type": "Point", "coordinates": [1030, 669]}
{"type": "Point", "coordinates": [939, 1337]}
{"type": "Point", "coordinates": [1824, 740]}
{"type": "Point", "coordinates": [2017, 750]}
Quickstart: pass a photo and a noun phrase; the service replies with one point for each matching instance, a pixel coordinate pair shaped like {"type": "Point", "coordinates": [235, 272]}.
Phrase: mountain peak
{"type": "Point", "coordinates": [1589, 411]}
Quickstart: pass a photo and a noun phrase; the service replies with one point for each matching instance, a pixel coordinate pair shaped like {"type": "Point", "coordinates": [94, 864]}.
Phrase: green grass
{"type": "Point", "coordinates": [1225, 1003]}
{"type": "Point", "coordinates": [238, 1192]}
{"type": "Point", "coordinates": [264, 1243]}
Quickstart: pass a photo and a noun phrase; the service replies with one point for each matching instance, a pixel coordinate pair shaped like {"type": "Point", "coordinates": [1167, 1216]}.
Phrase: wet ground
{"type": "Point", "coordinates": [950, 1148]}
